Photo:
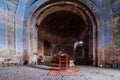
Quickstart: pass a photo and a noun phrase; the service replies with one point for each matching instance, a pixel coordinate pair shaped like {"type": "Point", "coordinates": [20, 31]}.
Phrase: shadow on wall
{"type": "Point", "coordinates": [25, 57]}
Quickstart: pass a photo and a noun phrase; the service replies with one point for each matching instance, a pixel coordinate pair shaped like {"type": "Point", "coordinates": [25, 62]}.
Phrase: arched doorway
{"type": "Point", "coordinates": [80, 55]}
{"type": "Point", "coordinates": [64, 23]}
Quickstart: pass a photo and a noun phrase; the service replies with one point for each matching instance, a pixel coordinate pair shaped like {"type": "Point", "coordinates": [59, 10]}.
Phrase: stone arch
{"type": "Point", "coordinates": [39, 9]}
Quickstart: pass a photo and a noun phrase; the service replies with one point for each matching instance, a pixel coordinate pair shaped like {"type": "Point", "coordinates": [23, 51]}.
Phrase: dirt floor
{"type": "Point", "coordinates": [40, 72]}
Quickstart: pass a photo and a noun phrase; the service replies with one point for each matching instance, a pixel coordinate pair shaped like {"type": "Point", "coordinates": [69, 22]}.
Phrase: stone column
{"type": "Point", "coordinates": [11, 7]}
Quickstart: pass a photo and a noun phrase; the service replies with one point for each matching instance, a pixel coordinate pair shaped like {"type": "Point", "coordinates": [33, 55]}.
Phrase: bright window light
{"type": "Point", "coordinates": [81, 42]}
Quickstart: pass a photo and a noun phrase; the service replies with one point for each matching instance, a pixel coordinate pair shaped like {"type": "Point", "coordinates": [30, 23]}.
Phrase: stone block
{"type": "Point", "coordinates": [115, 65]}
{"type": "Point", "coordinates": [118, 66]}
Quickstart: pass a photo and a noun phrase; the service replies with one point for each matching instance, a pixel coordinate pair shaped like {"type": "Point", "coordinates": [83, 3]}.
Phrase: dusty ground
{"type": "Point", "coordinates": [41, 73]}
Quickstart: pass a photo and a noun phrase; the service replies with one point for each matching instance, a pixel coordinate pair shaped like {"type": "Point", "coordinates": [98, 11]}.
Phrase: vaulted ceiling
{"type": "Point", "coordinates": [62, 26]}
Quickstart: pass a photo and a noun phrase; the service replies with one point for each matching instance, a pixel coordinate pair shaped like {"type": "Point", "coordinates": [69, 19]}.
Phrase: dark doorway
{"type": "Point", "coordinates": [79, 55]}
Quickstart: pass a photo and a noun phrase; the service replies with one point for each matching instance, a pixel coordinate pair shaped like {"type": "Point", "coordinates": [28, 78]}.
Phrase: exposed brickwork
{"type": "Point", "coordinates": [109, 55]}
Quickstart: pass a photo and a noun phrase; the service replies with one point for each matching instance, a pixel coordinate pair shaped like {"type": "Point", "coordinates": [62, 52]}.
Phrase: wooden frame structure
{"type": "Point", "coordinates": [63, 62]}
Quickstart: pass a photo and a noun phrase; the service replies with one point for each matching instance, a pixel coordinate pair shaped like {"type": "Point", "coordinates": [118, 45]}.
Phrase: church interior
{"type": "Point", "coordinates": [69, 34]}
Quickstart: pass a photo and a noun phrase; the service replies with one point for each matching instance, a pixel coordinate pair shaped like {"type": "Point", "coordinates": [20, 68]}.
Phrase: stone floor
{"type": "Point", "coordinates": [41, 73]}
